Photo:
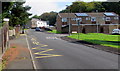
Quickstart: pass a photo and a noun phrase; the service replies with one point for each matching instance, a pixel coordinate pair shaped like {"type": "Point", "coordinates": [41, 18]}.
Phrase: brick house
{"type": "Point", "coordinates": [62, 21]}
{"type": "Point", "coordinates": [103, 22]}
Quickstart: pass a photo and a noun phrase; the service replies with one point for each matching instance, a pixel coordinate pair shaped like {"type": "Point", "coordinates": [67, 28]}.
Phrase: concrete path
{"type": "Point", "coordinates": [21, 58]}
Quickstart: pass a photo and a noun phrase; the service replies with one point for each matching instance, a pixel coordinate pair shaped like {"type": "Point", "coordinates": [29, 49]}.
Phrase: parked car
{"type": "Point", "coordinates": [37, 29]}
{"type": "Point", "coordinates": [116, 31]}
{"type": "Point", "coordinates": [48, 29]}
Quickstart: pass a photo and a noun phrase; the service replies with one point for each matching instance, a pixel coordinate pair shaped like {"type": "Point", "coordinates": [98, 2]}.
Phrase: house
{"type": "Point", "coordinates": [42, 24]}
{"type": "Point", "coordinates": [101, 22]}
{"type": "Point", "coordinates": [62, 21]}
{"type": "Point", "coordinates": [33, 22]}
{"type": "Point", "coordinates": [39, 23]}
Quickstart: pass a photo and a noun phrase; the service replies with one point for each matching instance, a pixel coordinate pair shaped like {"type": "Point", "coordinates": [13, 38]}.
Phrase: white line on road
{"type": "Point", "coordinates": [34, 66]}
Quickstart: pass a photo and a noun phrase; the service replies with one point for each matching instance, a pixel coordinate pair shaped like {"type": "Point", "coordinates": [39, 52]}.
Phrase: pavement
{"type": "Point", "coordinates": [51, 52]}
{"type": "Point", "coordinates": [20, 57]}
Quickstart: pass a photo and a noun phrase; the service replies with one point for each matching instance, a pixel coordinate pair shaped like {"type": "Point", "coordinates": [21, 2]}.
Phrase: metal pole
{"type": "Point", "coordinates": [69, 21]}
{"type": "Point", "coordinates": [78, 27]}
{"type": "Point", "coordinates": [97, 21]}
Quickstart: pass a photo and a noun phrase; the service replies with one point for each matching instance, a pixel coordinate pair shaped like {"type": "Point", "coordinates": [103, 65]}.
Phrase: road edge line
{"type": "Point", "coordinates": [33, 62]}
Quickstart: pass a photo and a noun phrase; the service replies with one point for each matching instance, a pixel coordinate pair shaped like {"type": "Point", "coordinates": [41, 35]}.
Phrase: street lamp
{"type": "Point", "coordinates": [69, 21]}
{"type": "Point", "coordinates": [97, 21]}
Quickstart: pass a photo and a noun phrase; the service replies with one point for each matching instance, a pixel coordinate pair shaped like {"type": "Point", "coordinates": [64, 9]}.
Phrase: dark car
{"type": "Point", "coordinates": [37, 29]}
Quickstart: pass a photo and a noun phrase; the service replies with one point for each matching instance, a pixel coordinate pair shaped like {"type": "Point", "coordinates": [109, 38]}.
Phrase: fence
{"type": "Point", "coordinates": [4, 37]}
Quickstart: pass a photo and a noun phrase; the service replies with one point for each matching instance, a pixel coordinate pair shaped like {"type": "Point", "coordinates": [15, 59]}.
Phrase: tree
{"type": "Point", "coordinates": [112, 7]}
{"type": "Point", "coordinates": [36, 16]}
{"type": "Point", "coordinates": [79, 6]}
{"type": "Point", "coordinates": [51, 17]}
{"type": "Point", "coordinates": [16, 12]}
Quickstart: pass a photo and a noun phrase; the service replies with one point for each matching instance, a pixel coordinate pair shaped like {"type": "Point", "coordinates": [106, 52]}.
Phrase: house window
{"type": "Point", "coordinates": [64, 19]}
{"type": "Point", "coordinates": [87, 18]}
{"type": "Point", "coordinates": [78, 19]}
{"type": "Point", "coordinates": [107, 18]}
{"type": "Point", "coordinates": [74, 19]}
{"type": "Point", "coordinates": [103, 18]}
{"type": "Point", "coordinates": [93, 19]}
{"type": "Point", "coordinates": [116, 18]}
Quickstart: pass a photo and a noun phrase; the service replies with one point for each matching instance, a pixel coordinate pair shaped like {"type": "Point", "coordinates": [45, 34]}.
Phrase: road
{"type": "Point", "coordinates": [51, 52]}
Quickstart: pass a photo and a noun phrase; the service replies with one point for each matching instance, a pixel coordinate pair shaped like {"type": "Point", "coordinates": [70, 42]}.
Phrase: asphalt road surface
{"type": "Point", "coordinates": [51, 52]}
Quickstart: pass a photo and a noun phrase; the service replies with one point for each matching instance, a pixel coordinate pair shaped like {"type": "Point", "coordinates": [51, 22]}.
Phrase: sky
{"type": "Point", "coordinates": [39, 7]}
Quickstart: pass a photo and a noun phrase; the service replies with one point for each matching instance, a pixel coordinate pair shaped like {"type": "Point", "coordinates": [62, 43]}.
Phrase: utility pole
{"type": "Point", "coordinates": [78, 27]}
{"type": "Point", "coordinates": [69, 20]}
{"type": "Point", "coordinates": [97, 22]}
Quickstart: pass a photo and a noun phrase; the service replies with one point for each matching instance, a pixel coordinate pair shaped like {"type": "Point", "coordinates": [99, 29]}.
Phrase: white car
{"type": "Point", "coordinates": [116, 31]}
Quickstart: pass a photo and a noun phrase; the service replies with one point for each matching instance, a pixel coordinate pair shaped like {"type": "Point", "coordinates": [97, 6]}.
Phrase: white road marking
{"type": "Point", "coordinates": [53, 38]}
{"type": "Point", "coordinates": [34, 66]}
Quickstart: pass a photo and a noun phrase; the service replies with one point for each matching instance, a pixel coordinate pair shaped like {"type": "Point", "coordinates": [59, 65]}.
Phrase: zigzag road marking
{"type": "Point", "coordinates": [41, 53]}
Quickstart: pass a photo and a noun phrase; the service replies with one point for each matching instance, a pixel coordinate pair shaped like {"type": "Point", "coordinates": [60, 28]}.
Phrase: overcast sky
{"type": "Point", "coordinates": [41, 6]}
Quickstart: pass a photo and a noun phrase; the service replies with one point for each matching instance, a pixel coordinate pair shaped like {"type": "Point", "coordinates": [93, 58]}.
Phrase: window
{"type": "Point", "coordinates": [64, 19]}
{"type": "Point", "coordinates": [107, 18]}
{"type": "Point", "coordinates": [116, 18]}
{"type": "Point", "coordinates": [87, 18]}
{"type": "Point", "coordinates": [93, 18]}
{"type": "Point", "coordinates": [103, 18]}
{"type": "Point", "coordinates": [78, 19]}
{"type": "Point", "coordinates": [74, 19]}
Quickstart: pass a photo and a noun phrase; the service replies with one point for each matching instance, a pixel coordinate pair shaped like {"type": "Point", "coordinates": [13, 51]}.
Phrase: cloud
{"type": "Point", "coordinates": [38, 7]}
{"type": "Point", "coordinates": [41, 6]}
{"type": "Point", "coordinates": [50, 0]}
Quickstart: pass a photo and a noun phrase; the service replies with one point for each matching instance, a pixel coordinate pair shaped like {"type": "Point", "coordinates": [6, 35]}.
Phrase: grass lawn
{"type": "Point", "coordinates": [99, 38]}
{"type": "Point", "coordinates": [54, 31]}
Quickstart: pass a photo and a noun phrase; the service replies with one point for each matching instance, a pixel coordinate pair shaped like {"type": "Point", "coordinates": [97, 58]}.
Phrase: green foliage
{"type": "Point", "coordinates": [16, 12]}
{"type": "Point", "coordinates": [77, 7]}
{"type": "Point", "coordinates": [112, 7]}
{"type": "Point", "coordinates": [51, 17]}
{"type": "Point", "coordinates": [35, 16]}
{"type": "Point", "coordinates": [99, 38]}
{"type": "Point", "coordinates": [14, 47]}
{"type": "Point", "coordinates": [54, 31]}
{"type": "Point", "coordinates": [11, 28]}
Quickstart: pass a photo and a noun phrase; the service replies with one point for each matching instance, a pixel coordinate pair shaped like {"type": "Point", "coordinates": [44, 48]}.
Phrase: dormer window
{"type": "Point", "coordinates": [64, 19]}
{"type": "Point", "coordinates": [107, 19]}
{"type": "Point", "coordinates": [87, 18]}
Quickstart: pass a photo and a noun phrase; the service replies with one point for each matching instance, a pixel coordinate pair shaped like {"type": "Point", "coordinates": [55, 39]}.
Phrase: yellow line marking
{"type": "Point", "coordinates": [39, 47]}
{"type": "Point", "coordinates": [22, 34]}
{"type": "Point", "coordinates": [34, 41]}
{"type": "Point", "coordinates": [44, 51]}
{"type": "Point", "coordinates": [47, 56]}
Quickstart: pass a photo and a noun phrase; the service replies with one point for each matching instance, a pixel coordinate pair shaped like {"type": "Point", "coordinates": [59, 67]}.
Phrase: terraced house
{"type": "Point", "coordinates": [98, 22]}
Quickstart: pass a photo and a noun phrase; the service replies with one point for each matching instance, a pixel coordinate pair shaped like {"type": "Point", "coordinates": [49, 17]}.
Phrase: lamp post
{"type": "Point", "coordinates": [69, 21]}
{"type": "Point", "coordinates": [97, 21]}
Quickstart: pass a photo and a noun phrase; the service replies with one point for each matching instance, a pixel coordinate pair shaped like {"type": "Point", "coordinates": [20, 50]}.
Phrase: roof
{"type": "Point", "coordinates": [66, 15]}
{"type": "Point", "coordinates": [74, 15]}
{"type": "Point", "coordinates": [81, 14]}
{"type": "Point", "coordinates": [34, 19]}
{"type": "Point", "coordinates": [96, 14]}
{"type": "Point", "coordinates": [110, 14]}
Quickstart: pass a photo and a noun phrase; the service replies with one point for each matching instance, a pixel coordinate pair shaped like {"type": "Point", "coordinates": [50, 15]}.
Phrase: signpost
{"type": "Point", "coordinates": [78, 21]}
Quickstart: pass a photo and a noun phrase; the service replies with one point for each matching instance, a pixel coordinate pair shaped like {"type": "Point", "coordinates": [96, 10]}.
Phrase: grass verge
{"type": "Point", "coordinates": [54, 31]}
{"type": "Point", "coordinates": [99, 38]}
